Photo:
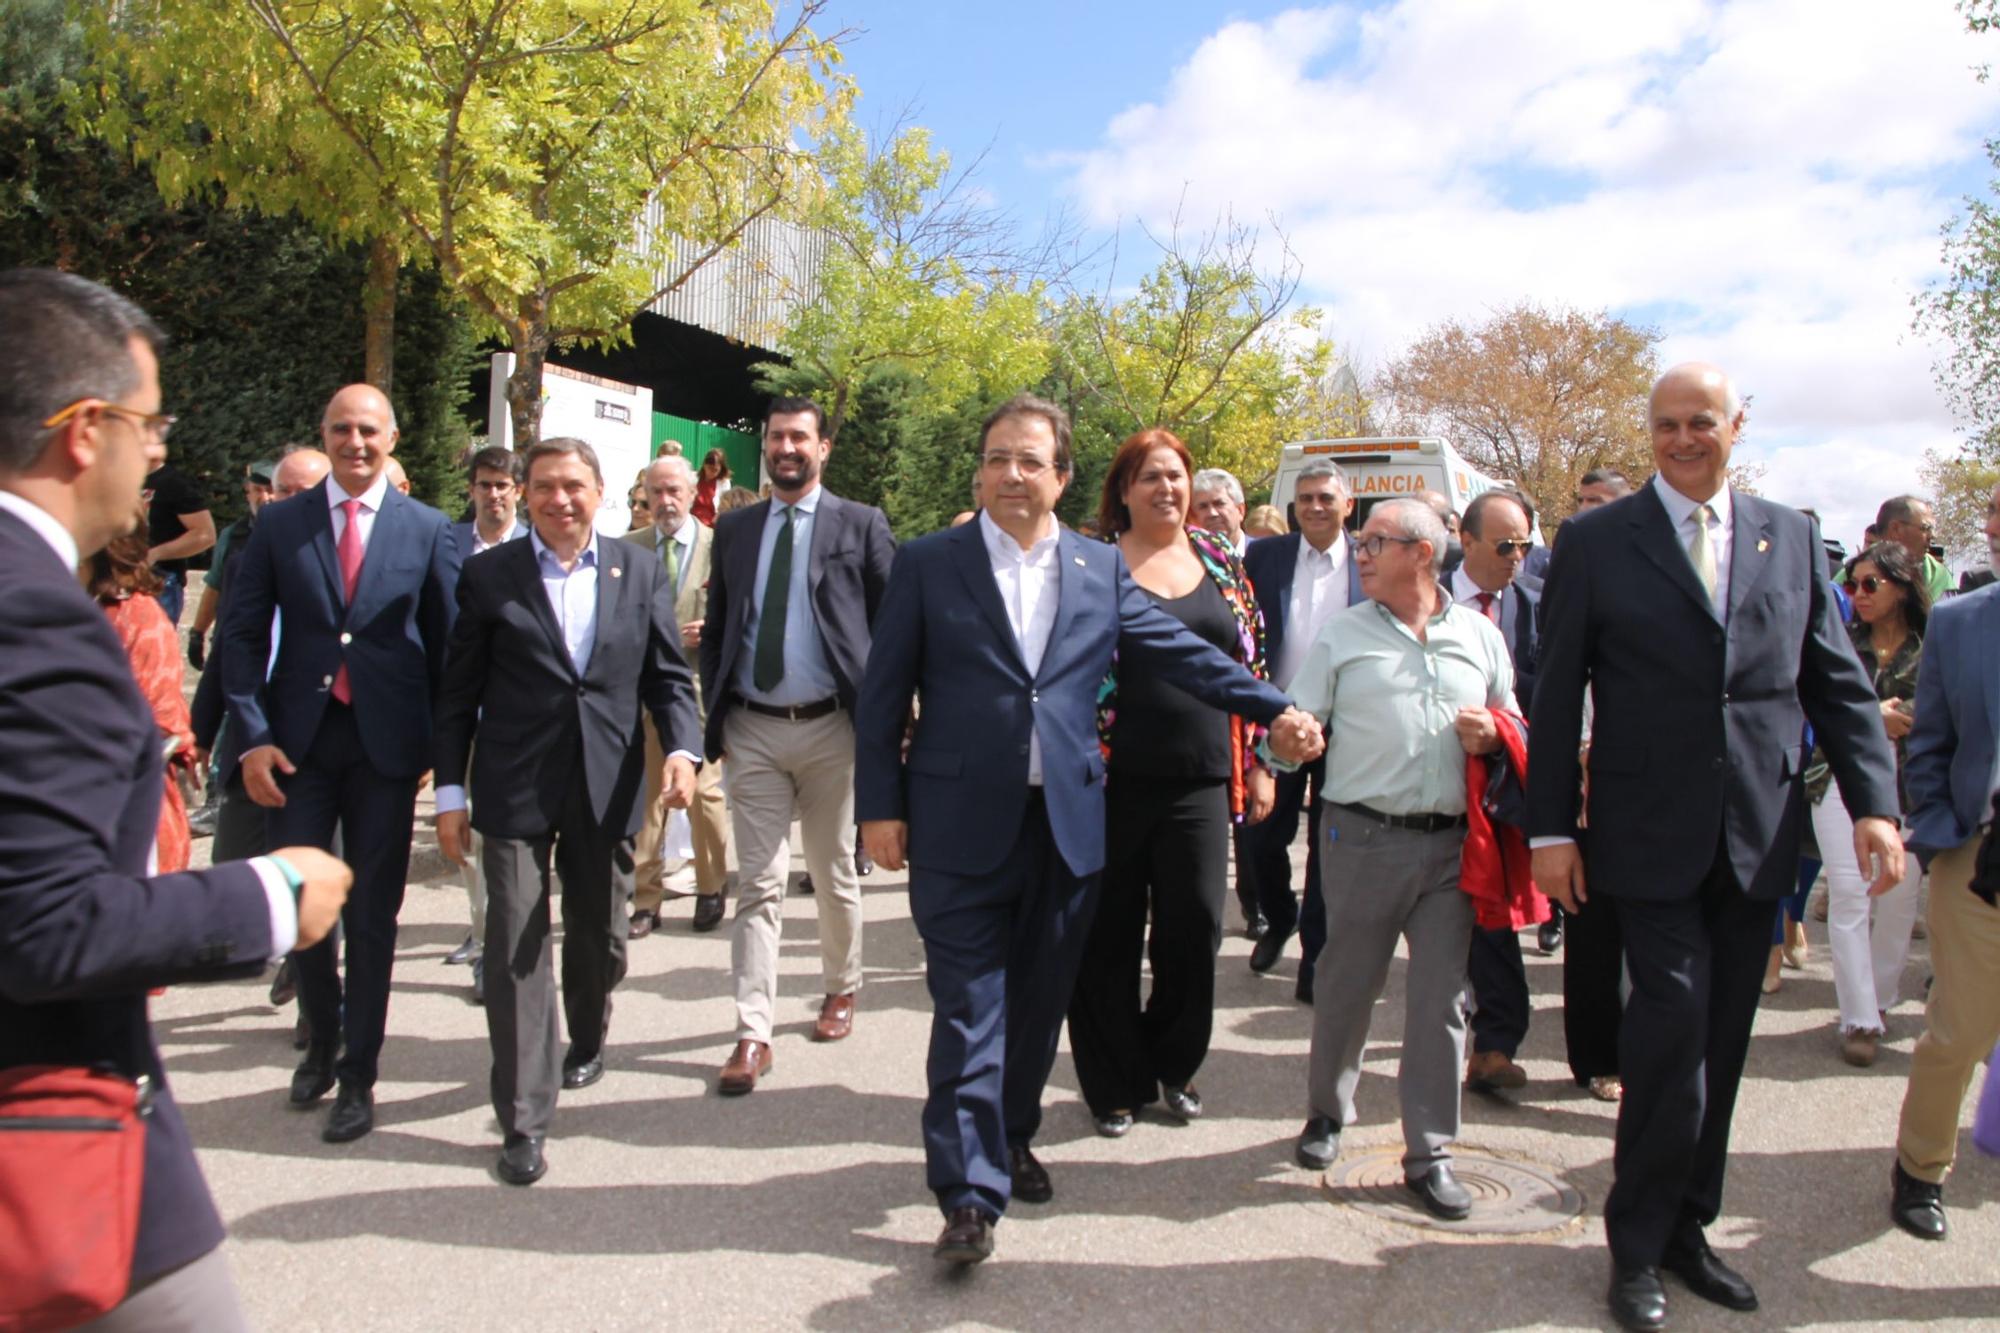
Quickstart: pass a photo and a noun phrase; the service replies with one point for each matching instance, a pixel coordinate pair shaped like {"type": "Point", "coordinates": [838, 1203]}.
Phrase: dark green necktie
{"type": "Point", "coordinates": [769, 664]}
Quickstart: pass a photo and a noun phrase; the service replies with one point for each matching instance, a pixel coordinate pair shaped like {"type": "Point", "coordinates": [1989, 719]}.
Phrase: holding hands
{"type": "Point", "coordinates": [1296, 737]}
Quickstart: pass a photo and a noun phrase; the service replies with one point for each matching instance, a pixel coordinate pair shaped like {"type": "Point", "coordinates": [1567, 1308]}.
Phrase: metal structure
{"type": "Point", "coordinates": [746, 293]}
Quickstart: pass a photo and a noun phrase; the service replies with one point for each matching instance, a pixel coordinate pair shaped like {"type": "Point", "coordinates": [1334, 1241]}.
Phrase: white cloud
{"type": "Point", "coordinates": [1762, 179]}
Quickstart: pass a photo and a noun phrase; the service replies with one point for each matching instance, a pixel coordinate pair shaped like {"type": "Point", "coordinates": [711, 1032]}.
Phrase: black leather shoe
{"type": "Point", "coordinates": [1440, 1193]}
{"type": "Point", "coordinates": [1638, 1301]}
{"type": "Point", "coordinates": [1269, 949]}
{"type": "Point", "coordinates": [1115, 1125]}
{"type": "Point", "coordinates": [1031, 1178]}
{"type": "Point", "coordinates": [1255, 926]}
{"type": "Point", "coordinates": [1917, 1205]}
{"type": "Point", "coordinates": [806, 884]}
{"type": "Point", "coordinates": [521, 1161]}
{"type": "Point", "coordinates": [643, 923]}
{"type": "Point", "coordinates": [1708, 1277]}
{"type": "Point", "coordinates": [707, 912]}
{"type": "Point", "coordinates": [1549, 935]}
{"type": "Point", "coordinates": [1318, 1144]}
{"type": "Point", "coordinates": [284, 983]}
{"type": "Point", "coordinates": [352, 1116]}
{"type": "Point", "coordinates": [464, 953]}
{"type": "Point", "coordinates": [1183, 1104]}
{"type": "Point", "coordinates": [313, 1079]}
{"type": "Point", "coordinates": [967, 1237]}
{"type": "Point", "coordinates": [1303, 991]}
{"type": "Point", "coordinates": [583, 1073]}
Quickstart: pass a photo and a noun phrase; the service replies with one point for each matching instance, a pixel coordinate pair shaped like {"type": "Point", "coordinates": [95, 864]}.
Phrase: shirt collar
{"type": "Point", "coordinates": [684, 534]}
{"type": "Point", "coordinates": [371, 499]}
{"type": "Point", "coordinates": [44, 525]}
{"type": "Point", "coordinates": [807, 504]}
{"type": "Point", "coordinates": [1463, 588]}
{"type": "Point", "coordinates": [545, 557]}
{"type": "Point", "coordinates": [1001, 546]}
{"type": "Point", "coordinates": [1680, 508]}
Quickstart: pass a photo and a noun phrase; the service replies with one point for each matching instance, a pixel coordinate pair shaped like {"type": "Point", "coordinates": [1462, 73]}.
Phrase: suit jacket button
{"type": "Point", "coordinates": [1716, 764]}
{"type": "Point", "coordinates": [326, 682]}
{"type": "Point", "coordinates": [582, 690]}
{"type": "Point", "coordinates": [345, 638]}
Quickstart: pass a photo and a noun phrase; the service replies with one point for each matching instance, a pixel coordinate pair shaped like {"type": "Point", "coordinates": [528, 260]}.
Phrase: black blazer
{"type": "Point", "coordinates": [83, 931]}
{"type": "Point", "coordinates": [1519, 608]}
{"type": "Point", "coordinates": [1271, 563]}
{"type": "Point", "coordinates": [510, 681]}
{"type": "Point", "coordinates": [851, 554]}
{"type": "Point", "coordinates": [1698, 727]}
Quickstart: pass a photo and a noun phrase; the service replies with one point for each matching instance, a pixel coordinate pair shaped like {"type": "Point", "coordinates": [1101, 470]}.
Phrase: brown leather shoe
{"type": "Point", "coordinates": [967, 1237]}
{"type": "Point", "coordinates": [836, 1018]}
{"type": "Point", "coordinates": [1488, 1071]}
{"type": "Point", "coordinates": [750, 1061]}
{"type": "Point", "coordinates": [643, 924]}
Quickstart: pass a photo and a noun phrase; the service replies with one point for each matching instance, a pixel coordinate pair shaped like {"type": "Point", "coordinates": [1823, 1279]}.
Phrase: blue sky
{"type": "Point", "coordinates": [1760, 179]}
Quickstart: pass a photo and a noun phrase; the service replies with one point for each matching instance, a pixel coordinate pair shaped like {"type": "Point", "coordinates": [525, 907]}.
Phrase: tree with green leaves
{"type": "Point", "coordinates": [260, 312]}
{"type": "Point", "coordinates": [562, 163]}
{"type": "Point", "coordinates": [1208, 346]}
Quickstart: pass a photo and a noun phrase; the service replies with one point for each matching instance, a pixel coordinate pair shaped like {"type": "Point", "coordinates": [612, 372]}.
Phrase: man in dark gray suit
{"type": "Point", "coordinates": [1700, 620]}
{"type": "Point", "coordinates": [559, 643]}
{"type": "Point", "coordinates": [792, 590]}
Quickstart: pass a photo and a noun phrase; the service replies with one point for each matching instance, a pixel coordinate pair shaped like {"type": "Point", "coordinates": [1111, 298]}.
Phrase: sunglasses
{"type": "Point", "coordinates": [1871, 585]}
{"type": "Point", "coordinates": [1507, 546]}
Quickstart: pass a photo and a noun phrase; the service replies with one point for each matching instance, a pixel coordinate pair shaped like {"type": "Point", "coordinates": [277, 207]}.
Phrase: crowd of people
{"type": "Point", "coordinates": [1064, 740]}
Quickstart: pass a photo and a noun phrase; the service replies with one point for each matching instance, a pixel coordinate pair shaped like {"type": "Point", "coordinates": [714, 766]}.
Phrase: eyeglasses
{"type": "Point", "coordinates": [1030, 466]}
{"type": "Point", "coordinates": [1321, 500]}
{"type": "Point", "coordinates": [493, 487]}
{"type": "Point", "coordinates": [1374, 543]}
{"type": "Point", "coordinates": [1506, 547]}
{"type": "Point", "coordinates": [157, 424]}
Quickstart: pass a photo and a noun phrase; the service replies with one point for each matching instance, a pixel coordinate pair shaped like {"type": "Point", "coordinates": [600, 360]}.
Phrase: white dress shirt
{"type": "Point", "coordinates": [479, 543]}
{"type": "Point", "coordinates": [371, 505]}
{"type": "Point", "coordinates": [1681, 510]}
{"type": "Point", "coordinates": [1467, 593]}
{"type": "Point", "coordinates": [1319, 591]}
{"type": "Point", "coordinates": [1029, 589]}
{"type": "Point", "coordinates": [284, 913]}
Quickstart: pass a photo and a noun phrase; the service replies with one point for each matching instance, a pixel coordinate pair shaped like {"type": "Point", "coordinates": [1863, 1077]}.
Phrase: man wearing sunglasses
{"type": "Point", "coordinates": [1495, 536]}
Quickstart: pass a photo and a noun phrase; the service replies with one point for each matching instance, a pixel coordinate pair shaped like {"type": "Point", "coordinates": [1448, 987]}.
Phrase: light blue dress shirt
{"type": "Point", "coordinates": [808, 678]}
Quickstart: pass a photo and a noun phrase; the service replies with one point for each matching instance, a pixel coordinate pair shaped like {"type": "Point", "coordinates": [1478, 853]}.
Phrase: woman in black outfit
{"type": "Point", "coordinates": [1180, 773]}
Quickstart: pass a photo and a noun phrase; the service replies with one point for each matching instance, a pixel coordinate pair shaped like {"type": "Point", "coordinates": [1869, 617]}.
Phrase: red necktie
{"type": "Point", "coordinates": [350, 574]}
{"type": "Point", "coordinates": [1486, 607]}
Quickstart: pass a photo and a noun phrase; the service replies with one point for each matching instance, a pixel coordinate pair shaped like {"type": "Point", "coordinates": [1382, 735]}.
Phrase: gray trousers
{"type": "Point", "coordinates": [197, 1297]}
{"type": "Point", "coordinates": [596, 871]}
{"type": "Point", "coordinates": [1381, 883]}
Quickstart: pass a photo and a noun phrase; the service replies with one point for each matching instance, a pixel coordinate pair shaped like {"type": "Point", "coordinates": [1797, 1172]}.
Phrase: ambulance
{"type": "Point", "coordinates": [1384, 468]}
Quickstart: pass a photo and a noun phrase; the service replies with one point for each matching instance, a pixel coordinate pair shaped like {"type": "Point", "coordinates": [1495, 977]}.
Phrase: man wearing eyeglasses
{"type": "Point", "coordinates": [85, 929]}
{"type": "Point", "coordinates": [1495, 536]}
{"type": "Point", "coordinates": [1908, 521]}
{"type": "Point", "coordinates": [1006, 626]}
{"type": "Point", "coordinates": [1302, 580]}
{"type": "Point", "coordinates": [1405, 685]}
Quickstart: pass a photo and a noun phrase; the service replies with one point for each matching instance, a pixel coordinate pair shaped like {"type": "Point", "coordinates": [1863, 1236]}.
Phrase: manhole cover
{"type": "Point", "coordinates": [1508, 1198]}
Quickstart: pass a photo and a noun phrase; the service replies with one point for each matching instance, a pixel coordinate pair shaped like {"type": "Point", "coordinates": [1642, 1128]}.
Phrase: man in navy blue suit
{"type": "Point", "coordinates": [85, 930]}
{"type": "Point", "coordinates": [1301, 580]}
{"type": "Point", "coordinates": [362, 579]}
{"type": "Point", "coordinates": [1006, 626]}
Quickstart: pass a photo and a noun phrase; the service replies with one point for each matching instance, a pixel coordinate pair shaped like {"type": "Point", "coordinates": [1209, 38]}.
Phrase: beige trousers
{"type": "Point", "coordinates": [776, 768]}
{"type": "Point", "coordinates": [1962, 1020]}
{"type": "Point", "coordinates": [708, 824]}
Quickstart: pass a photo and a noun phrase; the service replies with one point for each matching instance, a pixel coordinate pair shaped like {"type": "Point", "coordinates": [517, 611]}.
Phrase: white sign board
{"type": "Point", "coordinates": [615, 419]}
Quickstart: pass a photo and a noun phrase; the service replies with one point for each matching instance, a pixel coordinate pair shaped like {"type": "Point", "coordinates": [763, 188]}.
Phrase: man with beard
{"type": "Point", "coordinates": [794, 583]}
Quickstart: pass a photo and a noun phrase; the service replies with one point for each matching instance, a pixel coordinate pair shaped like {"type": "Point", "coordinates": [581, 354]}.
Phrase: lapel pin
{"type": "Point", "coordinates": [616, 571]}
{"type": "Point", "coordinates": [1763, 546]}
{"type": "Point", "coordinates": [1077, 558]}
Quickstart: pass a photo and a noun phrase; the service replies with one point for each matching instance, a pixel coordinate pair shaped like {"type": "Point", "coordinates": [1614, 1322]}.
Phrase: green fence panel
{"type": "Point", "coordinates": [698, 437]}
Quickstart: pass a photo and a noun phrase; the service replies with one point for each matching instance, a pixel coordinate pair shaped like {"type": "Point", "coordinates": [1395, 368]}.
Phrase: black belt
{"type": "Point", "coordinates": [792, 712]}
{"type": "Point", "coordinates": [1418, 823]}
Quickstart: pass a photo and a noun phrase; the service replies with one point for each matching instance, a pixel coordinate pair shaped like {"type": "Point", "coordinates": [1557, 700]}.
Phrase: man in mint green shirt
{"type": "Point", "coordinates": [1909, 521]}
{"type": "Point", "coordinates": [1404, 685]}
